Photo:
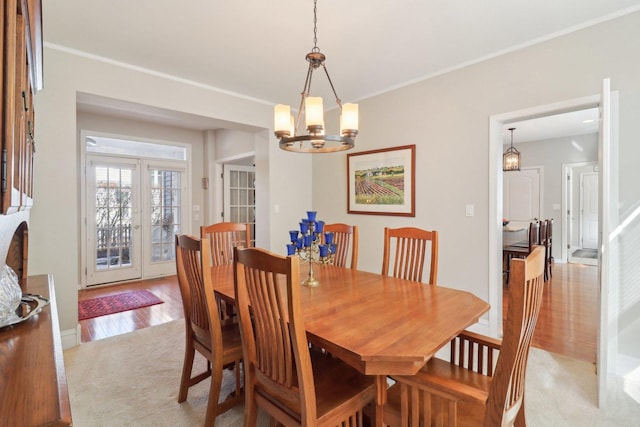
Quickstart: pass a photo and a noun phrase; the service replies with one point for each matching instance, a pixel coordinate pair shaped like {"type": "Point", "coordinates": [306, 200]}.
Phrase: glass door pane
{"type": "Point", "coordinates": [113, 229]}
{"type": "Point", "coordinates": [166, 213]}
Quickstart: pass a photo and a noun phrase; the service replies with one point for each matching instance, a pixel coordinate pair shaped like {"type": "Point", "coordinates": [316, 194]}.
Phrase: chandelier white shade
{"type": "Point", "coordinates": [312, 139]}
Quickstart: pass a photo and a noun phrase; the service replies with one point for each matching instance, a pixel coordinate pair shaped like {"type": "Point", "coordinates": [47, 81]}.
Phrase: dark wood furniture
{"type": "Point", "coordinates": [33, 384]}
{"type": "Point", "coordinates": [379, 325]}
{"type": "Point", "coordinates": [20, 77]}
{"type": "Point", "coordinates": [410, 252]}
{"type": "Point", "coordinates": [345, 237]}
{"type": "Point", "coordinates": [520, 249]}
{"type": "Point", "coordinates": [217, 340]}
{"type": "Point", "coordinates": [294, 384]}
{"type": "Point", "coordinates": [548, 244]}
{"type": "Point", "coordinates": [467, 390]}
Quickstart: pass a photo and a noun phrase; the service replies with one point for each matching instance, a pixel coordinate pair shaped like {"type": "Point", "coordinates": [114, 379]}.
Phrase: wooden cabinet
{"type": "Point", "coordinates": [21, 41]}
{"type": "Point", "coordinates": [33, 384]}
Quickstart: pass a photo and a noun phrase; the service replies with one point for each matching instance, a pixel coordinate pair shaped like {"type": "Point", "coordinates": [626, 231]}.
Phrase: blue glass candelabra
{"type": "Point", "coordinates": [312, 245]}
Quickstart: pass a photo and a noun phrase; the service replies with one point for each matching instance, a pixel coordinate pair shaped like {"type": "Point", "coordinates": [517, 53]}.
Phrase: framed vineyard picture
{"type": "Point", "coordinates": [382, 182]}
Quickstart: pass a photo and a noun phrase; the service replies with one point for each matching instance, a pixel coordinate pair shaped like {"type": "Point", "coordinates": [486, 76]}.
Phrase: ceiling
{"type": "Point", "coordinates": [256, 49]}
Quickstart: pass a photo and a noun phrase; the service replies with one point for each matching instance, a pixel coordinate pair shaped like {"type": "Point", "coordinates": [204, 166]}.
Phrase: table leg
{"type": "Point", "coordinates": [381, 398]}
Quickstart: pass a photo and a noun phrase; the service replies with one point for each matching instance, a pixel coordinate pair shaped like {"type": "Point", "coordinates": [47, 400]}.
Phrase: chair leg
{"type": "Point", "coordinates": [251, 409]}
{"type": "Point", "coordinates": [189, 354]}
{"type": "Point", "coordinates": [214, 396]}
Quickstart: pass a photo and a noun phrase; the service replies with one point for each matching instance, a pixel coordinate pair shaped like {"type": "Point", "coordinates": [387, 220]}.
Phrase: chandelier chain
{"type": "Point", "coordinates": [315, 27]}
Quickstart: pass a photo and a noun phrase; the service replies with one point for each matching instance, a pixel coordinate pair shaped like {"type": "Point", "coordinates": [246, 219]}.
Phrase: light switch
{"type": "Point", "coordinates": [196, 217]}
{"type": "Point", "coordinates": [196, 208]}
{"type": "Point", "coordinates": [276, 208]}
{"type": "Point", "coordinates": [556, 206]}
{"type": "Point", "coordinates": [469, 210]}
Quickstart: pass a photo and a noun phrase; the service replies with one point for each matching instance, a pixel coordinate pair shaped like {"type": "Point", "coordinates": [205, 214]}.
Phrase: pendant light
{"type": "Point", "coordinates": [511, 157]}
{"type": "Point", "coordinates": [315, 140]}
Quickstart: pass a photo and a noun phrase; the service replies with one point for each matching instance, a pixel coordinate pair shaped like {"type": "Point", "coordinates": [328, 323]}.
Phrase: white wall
{"type": "Point", "coordinates": [54, 235]}
{"type": "Point", "coordinates": [447, 117]}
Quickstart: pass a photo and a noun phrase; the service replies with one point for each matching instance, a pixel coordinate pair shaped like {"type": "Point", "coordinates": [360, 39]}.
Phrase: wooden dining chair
{"type": "Point", "coordinates": [345, 238]}
{"type": "Point", "coordinates": [410, 251]}
{"type": "Point", "coordinates": [296, 386]}
{"type": "Point", "coordinates": [223, 237]}
{"type": "Point", "coordinates": [483, 382]}
{"type": "Point", "coordinates": [218, 341]}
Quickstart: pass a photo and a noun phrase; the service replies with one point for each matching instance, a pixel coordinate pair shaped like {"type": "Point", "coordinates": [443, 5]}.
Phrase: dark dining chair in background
{"type": "Point", "coordinates": [521, 249]}
{"type": "Point", "coordinates": [217, 340]}
{"type": "Point", "coordinates": [410, 251]}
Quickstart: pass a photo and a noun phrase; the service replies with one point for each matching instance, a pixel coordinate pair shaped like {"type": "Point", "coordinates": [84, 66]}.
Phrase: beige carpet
{"type": "Point", "coordinates": [133, 379]}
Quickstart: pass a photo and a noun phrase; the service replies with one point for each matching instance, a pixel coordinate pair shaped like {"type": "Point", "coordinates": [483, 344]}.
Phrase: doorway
{"type": "Point", "coordinates": [581, 220]}
{"type": "Point", "coordinates": [607, 103]}
{"type": "Point", "coordinates": [135, 199]}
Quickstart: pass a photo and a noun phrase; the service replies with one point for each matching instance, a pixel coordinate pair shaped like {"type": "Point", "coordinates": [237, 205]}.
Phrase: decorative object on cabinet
{"type": "Point", "coordinates": [382, 182]}
{"type": "Point", "coordinates": [10, 294]}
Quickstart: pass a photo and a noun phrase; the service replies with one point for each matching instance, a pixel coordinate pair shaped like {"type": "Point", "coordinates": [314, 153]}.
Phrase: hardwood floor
{"type": "Point", "coordinates": [165, 288]}
{"type": "Point", "coordinates": [567, 324]}
{"type": "Point", "coordinates": [568, 321]}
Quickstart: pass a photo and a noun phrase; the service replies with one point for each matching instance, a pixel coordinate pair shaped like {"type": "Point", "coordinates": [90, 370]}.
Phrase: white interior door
{"type": "Point", "coordinates": [113, 222]}
{"type": "Point", "coordinates": [589, 210]}
{"type": "Point", "coordinates": [522, 195]}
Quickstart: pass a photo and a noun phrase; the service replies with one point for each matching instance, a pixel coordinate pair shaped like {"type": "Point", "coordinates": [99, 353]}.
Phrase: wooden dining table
{"type": "Point", "coordinates": [379, 325]}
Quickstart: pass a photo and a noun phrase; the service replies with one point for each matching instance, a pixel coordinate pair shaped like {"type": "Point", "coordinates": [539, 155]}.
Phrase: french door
{"type": "Point", "coordinates": [134, 209]}
{"type": "Point", "coordinates": [240, 196]}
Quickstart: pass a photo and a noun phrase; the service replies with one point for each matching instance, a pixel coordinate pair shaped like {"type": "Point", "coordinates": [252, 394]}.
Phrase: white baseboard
{"type": "Point", "coordinates": [70, 338]}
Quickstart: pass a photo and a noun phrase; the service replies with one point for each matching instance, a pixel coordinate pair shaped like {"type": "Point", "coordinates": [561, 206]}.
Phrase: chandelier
{"type": "Point", "coordinates": [511, 157]}
{"type": "Point", "coordinates": [315, 140]}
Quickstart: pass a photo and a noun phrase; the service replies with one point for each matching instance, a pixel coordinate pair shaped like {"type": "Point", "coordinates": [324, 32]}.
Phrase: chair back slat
{"type": "Point", "coordinates": [223, 237]}
{"type": "Point", "coordinates": [410, 253]}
